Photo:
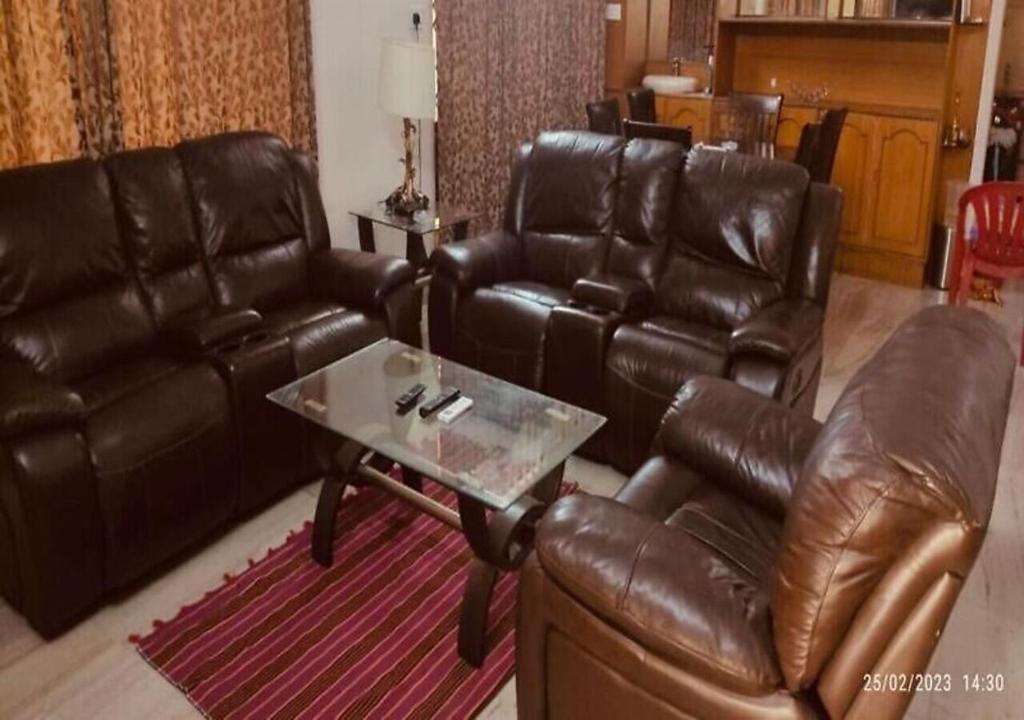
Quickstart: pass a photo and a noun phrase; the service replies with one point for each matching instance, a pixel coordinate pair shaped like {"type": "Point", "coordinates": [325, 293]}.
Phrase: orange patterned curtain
{"type": "Point", "coordinates": [187, 68]}
{"type": "Point", "coordinates": [506, 71]}
{"type": "Point", "coordinates": [89, 77]}
{"type": "Point", "coordinates": [37, 110]}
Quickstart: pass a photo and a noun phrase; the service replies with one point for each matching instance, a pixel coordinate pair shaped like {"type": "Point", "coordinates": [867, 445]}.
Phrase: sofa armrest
{"type": "Point", "coordinates": [754, 445]}
{"type": "Point", "coordinates": [782, 331]}
{"type": "Point", "coordinates": [614, 293]}
{"type": "Point", "coordinates": [356, 278]}
{"type": "Point", "coordinates": [480, 261]}
{"type": "Point", "coordinates": [625, 567]}
{"type": "Point", "coordinates": [201, 331]}
{"type": "Point", "coordinates": [31, 401]}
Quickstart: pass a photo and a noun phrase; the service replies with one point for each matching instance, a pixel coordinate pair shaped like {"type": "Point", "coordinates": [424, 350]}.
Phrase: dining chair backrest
{"type": "Point", "coordinates": [808, 147]}
{"type": "Point", "coordinates": [655, 131]}
{"type": "Point", "coordinates": [603, 116]}
{"type": "Point", "coordinates": [750, 120]}
{"type": "Point", "coordinates": [641, 105]}
{"type": "Point", "coordinates": [832, 123]}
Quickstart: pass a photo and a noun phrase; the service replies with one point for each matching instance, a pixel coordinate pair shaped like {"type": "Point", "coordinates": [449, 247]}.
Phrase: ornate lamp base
{"type": "Point", "coordinates": [406, 199]}
{"type": "Point", "coordinates": [400, 204]}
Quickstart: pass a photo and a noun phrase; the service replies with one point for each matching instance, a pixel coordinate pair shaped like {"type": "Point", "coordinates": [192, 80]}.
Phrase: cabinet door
{"type": "Point", "coordinates": [850, 173]}
{"type": "Point", "coordinates": [687, 112]}
{"type": "Point", "coordinates": [791, 124]}
{"type": "Point", "coordinates": [903, 179]}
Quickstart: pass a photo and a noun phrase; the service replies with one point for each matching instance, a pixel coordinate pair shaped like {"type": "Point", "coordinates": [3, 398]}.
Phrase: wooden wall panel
{"type": "Point", "coordinates": [857, 68]}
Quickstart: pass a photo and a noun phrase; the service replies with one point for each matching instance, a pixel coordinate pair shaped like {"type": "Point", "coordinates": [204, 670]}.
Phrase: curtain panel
{"type": "Point", "coordinates": [506, 71]}
{"type": "Point", "coordinates": [691, 28]}
{"type": "Point", "coordinates": [91, 77]}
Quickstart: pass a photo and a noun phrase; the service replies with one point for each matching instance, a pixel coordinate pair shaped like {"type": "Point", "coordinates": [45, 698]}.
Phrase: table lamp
{"type": "Point", "coordinates": [407, 90]}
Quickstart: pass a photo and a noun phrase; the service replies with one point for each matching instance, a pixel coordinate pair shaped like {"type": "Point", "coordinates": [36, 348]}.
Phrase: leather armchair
{"type": "Point", "coordinates": [627, 268]}
{"type": "Point", "coordinates": [760, 563]}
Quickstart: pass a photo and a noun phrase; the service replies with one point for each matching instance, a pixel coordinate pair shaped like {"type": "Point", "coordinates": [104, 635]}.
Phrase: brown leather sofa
{"type": "Point", "coordinates": [147, 304]}
{"type": "Point", "coordinates": [761, 564]}
{"type": "Point", "coordinates": [626, 268]}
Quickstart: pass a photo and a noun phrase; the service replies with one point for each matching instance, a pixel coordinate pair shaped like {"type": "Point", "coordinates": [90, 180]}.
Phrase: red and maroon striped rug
{"type": "Point", "coordinates": [372, 636]}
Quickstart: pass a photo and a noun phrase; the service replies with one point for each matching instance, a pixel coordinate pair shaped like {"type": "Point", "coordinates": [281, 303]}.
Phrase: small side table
{"type": "Point", "coordinates": [424, 222]}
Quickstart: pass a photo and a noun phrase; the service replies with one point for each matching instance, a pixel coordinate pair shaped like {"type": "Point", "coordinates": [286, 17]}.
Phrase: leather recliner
{"type": "Point", "coordinates": [626, 268]}
{"type": "Point", "coordinates": [122, 285]}
{"type": "Point", "coordinates": [760, 564]}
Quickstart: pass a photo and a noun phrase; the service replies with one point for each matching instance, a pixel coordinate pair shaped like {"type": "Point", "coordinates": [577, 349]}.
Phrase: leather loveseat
{"type": "Point", "coordinates": [762, 565]}
{"type": "Point", "coordinates": [147, 304]}
{"type": "Point", "coordinates": [626, 268]}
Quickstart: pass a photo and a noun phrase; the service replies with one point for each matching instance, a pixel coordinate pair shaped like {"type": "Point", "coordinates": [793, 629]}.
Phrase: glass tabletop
{"type": "Point", "coordinates": [497, 451]}
{"type": "Point", "coordinates": [436, 217]}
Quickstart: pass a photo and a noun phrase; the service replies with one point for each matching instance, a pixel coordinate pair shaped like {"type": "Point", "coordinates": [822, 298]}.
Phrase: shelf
{"type": "Point", "coordinates": [896, 23]}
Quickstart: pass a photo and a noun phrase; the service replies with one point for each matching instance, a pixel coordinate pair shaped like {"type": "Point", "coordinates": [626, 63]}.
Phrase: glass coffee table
{"type": "Point", "coordinates": [503, 458]}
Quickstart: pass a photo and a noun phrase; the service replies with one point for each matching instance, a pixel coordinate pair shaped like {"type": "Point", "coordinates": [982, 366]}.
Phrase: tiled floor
{"type": "Point", "coordinates": [93, 672]}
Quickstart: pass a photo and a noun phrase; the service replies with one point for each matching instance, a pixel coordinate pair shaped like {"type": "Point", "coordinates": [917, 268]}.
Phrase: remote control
{"type": "Point", "coordinates": [410, 397]}
{"type": "Point", "coordinates": [447, 395]}
{"type": "Point", "coordinates": [455, 410]}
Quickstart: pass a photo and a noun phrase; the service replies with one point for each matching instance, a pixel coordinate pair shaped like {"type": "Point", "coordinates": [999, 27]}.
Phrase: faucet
{"type": "Point", "coordinates": [677, 66]}
{"type": "Point", "coordinates": [711, 68]}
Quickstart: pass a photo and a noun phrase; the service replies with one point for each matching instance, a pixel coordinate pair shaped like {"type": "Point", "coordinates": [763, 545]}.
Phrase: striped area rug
{"type": "Point", "coordinates": [372, 636]}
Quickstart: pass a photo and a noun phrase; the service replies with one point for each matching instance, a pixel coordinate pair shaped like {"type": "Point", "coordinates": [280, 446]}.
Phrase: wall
{"type": "Point", "coordinates": [359, 144]}
{"type": "Point", "coordinates": [1013, 48]}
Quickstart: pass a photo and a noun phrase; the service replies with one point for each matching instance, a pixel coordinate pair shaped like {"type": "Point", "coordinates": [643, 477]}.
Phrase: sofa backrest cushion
{"type": "Point", "coordinates": [69, 303]}
{"type": "Point", "coordinates": [733, 230]}
{"type": "Point", "coordinates": [912, 444]}
{"type": "Point", "coordinates": [249, 217]}
{"type": "Point", "coordinates": [157, 227]}
{"type": "Point", "coordinates": [649, 175]}
{"type": "Point", "coordinates": [569, 205]}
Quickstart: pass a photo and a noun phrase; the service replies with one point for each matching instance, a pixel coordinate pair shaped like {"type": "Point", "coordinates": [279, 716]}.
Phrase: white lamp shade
{"type": "Point", "coordinates": [407, 79]}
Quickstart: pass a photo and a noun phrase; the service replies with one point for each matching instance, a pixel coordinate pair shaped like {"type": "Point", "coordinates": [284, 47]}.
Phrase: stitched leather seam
{"type": "Point", "coordinates": [637, 386]}
{"type": "Point", "coordinates": [726, 529]}
{"type": "Point", "coordinates": [160, 453]}
{"type": "Point", "coordinates": [621, 602]}
{"type": "Point", "coordinates": [494, 348]}
{"type": "Point", "coordinates": [846, 537]}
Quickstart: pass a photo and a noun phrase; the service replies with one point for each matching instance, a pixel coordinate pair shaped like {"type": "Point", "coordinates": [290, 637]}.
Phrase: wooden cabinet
{"type": "Point", "coordinates": [691, 112]}
{"type": "Point", "coordinates": [791, 124]}
{"type": "Point", "coordinates": [886, 169]}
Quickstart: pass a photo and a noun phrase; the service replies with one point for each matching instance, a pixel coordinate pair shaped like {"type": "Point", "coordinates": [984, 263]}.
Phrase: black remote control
{"type": "Point", "coordinates": [446, 396]}
{"type": "Point", "coordinates": [410, 397]}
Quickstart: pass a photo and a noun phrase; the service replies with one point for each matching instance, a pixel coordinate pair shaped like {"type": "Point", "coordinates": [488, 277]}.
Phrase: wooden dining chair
{"type": "Point", "coordinates": [997, 248]}
{"type": "Point", "coordinates": [750, 120]}
{"type": "Point", "coordinates": [641, 105]}
{"type": "Point", "coordinates": [827, 145]}
{"type": "Point", "coordinates": [603, 116]}
{"type": "Point", "coordinates": [819, 143]}
{"type": "Point", "coordinates": [672, 133]}
{"type": "Point", "coordinates": [805, 151]}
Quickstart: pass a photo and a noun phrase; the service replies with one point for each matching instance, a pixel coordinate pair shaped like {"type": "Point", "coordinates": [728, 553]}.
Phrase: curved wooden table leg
{"type": "Point", "coordinates": [476, 603]}
{"type": "Point", "coordinates": [501, 543]}
{"type": "Point", "coordinates": [331, 492]}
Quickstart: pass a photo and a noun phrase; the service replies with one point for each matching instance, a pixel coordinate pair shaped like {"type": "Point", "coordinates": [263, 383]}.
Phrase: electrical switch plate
{"type": "Point", "coordinates": [613, 11]}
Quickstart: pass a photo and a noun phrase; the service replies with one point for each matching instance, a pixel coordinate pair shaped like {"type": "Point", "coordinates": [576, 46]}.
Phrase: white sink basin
{"type": "Point", "coordinates": [671, 84]}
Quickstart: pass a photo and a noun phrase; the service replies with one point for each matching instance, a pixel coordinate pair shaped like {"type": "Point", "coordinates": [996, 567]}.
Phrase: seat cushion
{"type": "Point", "coordinates": [665, 586]}
{"type": "Point", "coordinates": [162, 445]}
{"type": "Point", "coordinates": [323, 332]}
{"type": "Point", "coordinates": [647, 363]}
{"type": "Point", "coordinates": [501, 330]}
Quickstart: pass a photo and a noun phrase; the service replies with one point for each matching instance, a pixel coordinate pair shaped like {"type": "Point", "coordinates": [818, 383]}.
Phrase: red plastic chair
{"type": "Point", "coordinates": [998, 249]}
